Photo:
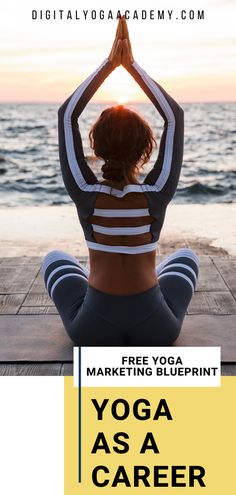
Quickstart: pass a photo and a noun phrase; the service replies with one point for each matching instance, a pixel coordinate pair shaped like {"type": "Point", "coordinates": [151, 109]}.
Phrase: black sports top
{"type": "Point", "coordinates": [129, 220]}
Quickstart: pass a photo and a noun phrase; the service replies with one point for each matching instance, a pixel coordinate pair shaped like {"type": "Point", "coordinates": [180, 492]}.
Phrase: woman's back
{"type": "Point", "coordinates": [114, 272]}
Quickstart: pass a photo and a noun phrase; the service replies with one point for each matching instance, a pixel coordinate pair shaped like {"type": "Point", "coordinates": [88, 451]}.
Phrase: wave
{"type": "Point", "coordinates": [25, 128]}
{"type": "Point", "coordinates": [2, 161]}
{"type": "Point", "coordinates": [33, 149]}
{"type": "Point", "coordinates": [197, 188]}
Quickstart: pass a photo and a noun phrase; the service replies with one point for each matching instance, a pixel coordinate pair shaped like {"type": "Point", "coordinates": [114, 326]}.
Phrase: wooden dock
{"type": "Point", "coordinates": [34, 342]}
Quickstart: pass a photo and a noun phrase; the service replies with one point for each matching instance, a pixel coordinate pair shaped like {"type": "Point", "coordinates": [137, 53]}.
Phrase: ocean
{"type": "Point", "coordinates": [29, 164]}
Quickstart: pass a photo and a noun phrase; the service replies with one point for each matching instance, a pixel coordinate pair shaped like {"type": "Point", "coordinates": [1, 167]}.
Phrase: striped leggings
{"type": "Point", "coordinates": [95, 318]}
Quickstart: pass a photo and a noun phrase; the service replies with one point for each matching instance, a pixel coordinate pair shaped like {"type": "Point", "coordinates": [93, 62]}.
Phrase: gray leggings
{"type": "Point", "coordinates": [95, 318]}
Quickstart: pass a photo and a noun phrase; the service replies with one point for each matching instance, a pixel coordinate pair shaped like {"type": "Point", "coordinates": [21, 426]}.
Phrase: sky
{"type": "Point", "coordinates": [45, 60]}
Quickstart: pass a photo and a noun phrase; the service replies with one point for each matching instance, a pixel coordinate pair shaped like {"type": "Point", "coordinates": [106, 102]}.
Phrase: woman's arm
{"type": "Point", "coordinates": [166, 170]}
{"type": "Point", "coordinates": [164, 176]}
{"type": "Point", "coordinates": [76, 173]}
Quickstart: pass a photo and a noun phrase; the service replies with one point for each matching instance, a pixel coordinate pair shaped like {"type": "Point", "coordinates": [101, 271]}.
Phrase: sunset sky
{"type": "Point", "coordinates": [44, 60]}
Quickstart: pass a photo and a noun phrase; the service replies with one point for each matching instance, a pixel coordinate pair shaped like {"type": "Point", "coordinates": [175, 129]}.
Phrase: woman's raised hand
{"type": "Point", "coordinates": [127, 58]}
{"type": "Point", "coordinates": [121, 52]}
{"type": "Point", "coordinates": [116, 51]}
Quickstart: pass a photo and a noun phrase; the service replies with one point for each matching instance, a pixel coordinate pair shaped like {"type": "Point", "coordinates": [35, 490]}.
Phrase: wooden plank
{"type": "Point", "coordinates": [30, 369]}
{"type": "Point", "coordinates": [67, 369]}
{"type": "Point", "coordinates": [33, 338]}
{"type": "Point", "coordinates": [204, 259]}
{"type": "Point", "coordinates": [228, 369]}
{"type": "Point", "coordinates": [37, 299]}
{"type": "Point", "coordinates": [227, 269]}
{"type": "Point", "coordinates": [212, 303]}
{"type": "Point", "coordinates": [16, 279]}
{"type": "Point", "coordinates": [21, 260]}
{"type": "Point", "coordinates": [33, 260]}
{"type": "Point", "coordinates": [210, 330]}
{"type": "Point", "coordinates": [228, 257]}
{"type": "Point", "coordinates": [36, 369]}
{"type": "Point", "coordinates": [10, 303]}
{"type": "Point", "coordinates": [38, 284]}
{"type": "Point", "coordinates": [38, 310]}
{"type": "Point", "coordinates": [210, 278]}
{"type": "Point", "coordinates": [61, 369]}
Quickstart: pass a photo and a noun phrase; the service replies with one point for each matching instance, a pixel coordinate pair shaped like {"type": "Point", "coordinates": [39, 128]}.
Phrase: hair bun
{"type": "Point", "coordinates": [113, 170]}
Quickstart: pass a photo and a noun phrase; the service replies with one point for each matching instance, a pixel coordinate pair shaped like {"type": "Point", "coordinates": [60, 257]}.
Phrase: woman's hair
{"type": "Point", "coordinates": [123, 140]}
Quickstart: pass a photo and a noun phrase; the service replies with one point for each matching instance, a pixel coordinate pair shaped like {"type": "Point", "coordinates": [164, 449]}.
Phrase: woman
{"type": "Point", "coordinates": [125, 299]}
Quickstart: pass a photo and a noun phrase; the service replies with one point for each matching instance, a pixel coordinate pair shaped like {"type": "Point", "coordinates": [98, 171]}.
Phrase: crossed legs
{"type": "Point", "coordinates": [66, 281]}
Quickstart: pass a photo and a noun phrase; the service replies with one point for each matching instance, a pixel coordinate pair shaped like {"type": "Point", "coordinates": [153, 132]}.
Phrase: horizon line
{"type": "Point", "coordinates": [31, 102]}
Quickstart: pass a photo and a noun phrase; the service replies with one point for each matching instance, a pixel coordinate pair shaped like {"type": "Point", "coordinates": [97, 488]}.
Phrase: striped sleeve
{"type": "Point", "coordinates": [164, 176]}
{"type": "Point", "coordinates": [76, 173]}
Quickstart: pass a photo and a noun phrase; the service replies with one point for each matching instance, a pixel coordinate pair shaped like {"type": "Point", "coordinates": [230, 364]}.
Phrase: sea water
{"type": "Point", "coordinates": [29, 164]}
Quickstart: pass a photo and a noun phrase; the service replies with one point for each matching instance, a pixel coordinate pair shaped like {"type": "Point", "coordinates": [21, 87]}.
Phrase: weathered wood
{"type": "Point", "coordinates": [228, 369]}
{"type": "Point", "coordinates": [30, 369]}
{"type": "Point", "coordinates": [33, 338]}
{"type": "Point", "coordinates": [16, 279]}
{"type": "Point", "coordinates": [204, 259]}
{"type": "Point", "coordinates": [38, 284]}
{"type": "Point", "coordinates": [34, 341]}
{"type": "Point", "coordinates": [38, 310]}
{"type": "Point", "coordinates": [37, 299]}
{"type": "Point", "coordinates": [227, 270]}
{"type": "Point", "coordinates": [10, 303]}
{"type": "Point", "coordinates": [209, 278]}
{"type": "Point", "coordinates": [67, 369]}
{"type": "Point", "coordinates": [22, 260]}
{"type": "Point", "coordinates": [228, 257]}
{"type": "Point", "coordinates": [212, 303]}
{"type": "Point", "coordinates": [210, 330]}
